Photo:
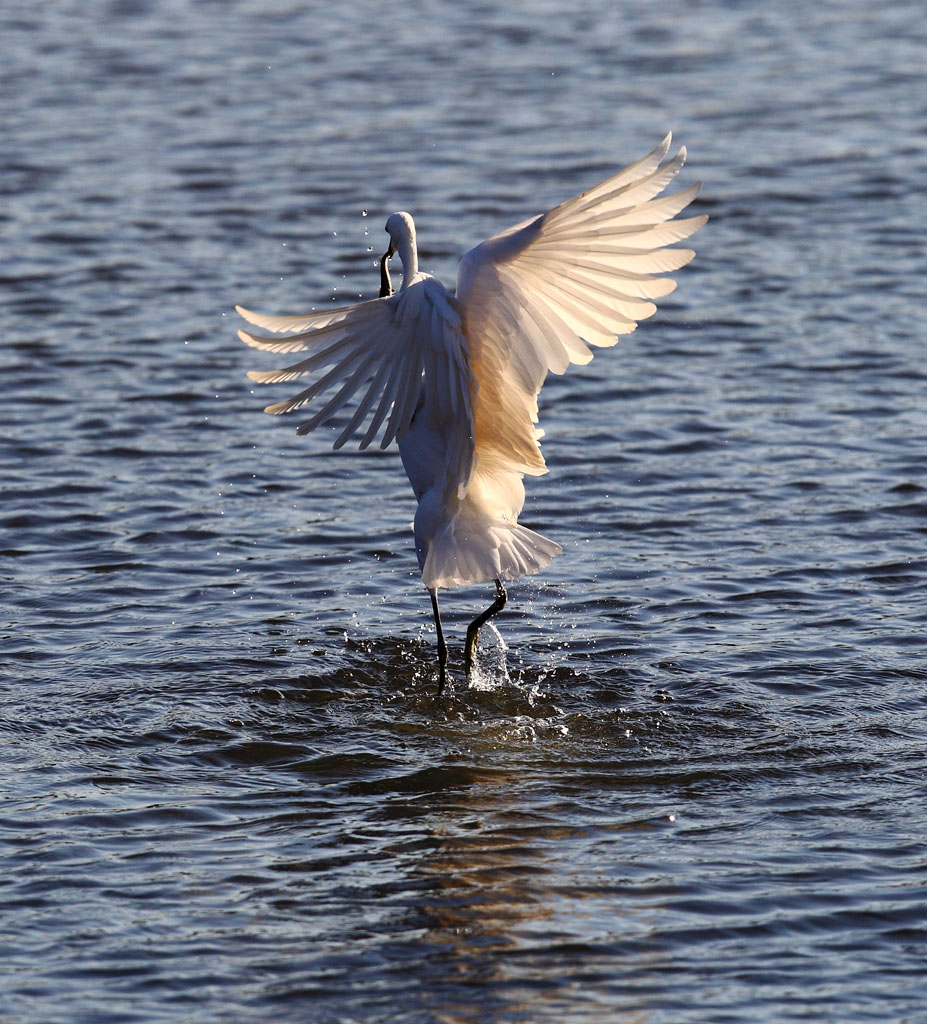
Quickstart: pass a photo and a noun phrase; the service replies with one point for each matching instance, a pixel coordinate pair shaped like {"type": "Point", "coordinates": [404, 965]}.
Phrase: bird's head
{"type": "Point", "coordinates": [401, 230]}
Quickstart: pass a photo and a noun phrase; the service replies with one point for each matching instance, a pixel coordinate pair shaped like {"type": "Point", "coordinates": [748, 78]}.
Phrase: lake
{"type": "Point", "coordinates": [689, 783]}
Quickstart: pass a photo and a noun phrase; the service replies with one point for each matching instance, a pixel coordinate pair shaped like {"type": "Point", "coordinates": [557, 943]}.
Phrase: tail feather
{"type": "Point", "coordinates": [460, 555]}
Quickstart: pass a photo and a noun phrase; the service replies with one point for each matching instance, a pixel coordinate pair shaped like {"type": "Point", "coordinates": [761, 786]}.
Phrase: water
{"type": "Point", "coordinates": [691, 785]}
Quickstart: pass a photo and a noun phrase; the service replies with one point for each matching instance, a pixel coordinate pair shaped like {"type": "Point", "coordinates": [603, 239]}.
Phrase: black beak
{"type": "Point", "coordinates": [386, 286]}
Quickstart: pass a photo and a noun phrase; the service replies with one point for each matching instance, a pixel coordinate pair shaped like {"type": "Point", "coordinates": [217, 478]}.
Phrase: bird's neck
{"type": "Point", "coordinates": [408, 256]}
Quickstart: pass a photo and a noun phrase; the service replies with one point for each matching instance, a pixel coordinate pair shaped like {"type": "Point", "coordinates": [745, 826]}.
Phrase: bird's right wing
{"type": "Point", "coordinates": [534, 297]}
{"type": "Point", "coordinates": [383, 346]}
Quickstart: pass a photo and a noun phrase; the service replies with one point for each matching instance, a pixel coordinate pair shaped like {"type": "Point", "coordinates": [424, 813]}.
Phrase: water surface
{"type": "Point", "coordinates": [691, 786]}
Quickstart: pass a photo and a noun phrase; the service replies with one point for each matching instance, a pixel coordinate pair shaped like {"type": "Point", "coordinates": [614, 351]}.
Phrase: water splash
{"type": "Point", "coordinates": [490, 671]}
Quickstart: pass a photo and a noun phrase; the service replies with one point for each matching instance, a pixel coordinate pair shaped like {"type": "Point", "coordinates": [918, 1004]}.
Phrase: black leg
{"type": "Point", "coordinates": [442, 646]}
{"type": "Point", "coordinates": [473, 630]}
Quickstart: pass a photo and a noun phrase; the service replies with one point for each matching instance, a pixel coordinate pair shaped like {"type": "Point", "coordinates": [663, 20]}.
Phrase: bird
{"type": "Point", "coordinates": [453, 376]}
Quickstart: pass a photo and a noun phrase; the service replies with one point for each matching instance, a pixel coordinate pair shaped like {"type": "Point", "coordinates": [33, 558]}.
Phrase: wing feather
{"type": "Point", "coordinates": [310, 322]}
{"type": "Point", "coordinates": [533, 298]}
{"type": "Point", "coordinates": [403, 408]}
{"type": "Point", "coordinates": [355, 378]}
{"type": "Point", "coordinates": [580, 309]}
{"type": "Point", "coordinates": [363, 406]}
{"type": "Point", "coordinates": [327, 355]}
{"type": "Point", "coordinates": [638, 195]}
{"type": "Point", "coordinates": [567, 346]}
{"type": "Point", "coordinates": [379, 349]}
{"type": "Point", "coordinates": [622, 258]}
{"type": "Point", "coordinates": [601, 285]}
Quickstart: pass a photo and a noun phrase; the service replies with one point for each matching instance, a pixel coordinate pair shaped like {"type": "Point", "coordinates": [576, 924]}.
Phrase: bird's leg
{"type": "Point", "coordinates": [442, 646]}
{"type": "Point", "coordinates": [473, 630]}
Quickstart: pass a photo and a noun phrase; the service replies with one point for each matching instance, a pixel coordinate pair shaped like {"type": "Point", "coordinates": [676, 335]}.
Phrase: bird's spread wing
{"type": "Point", "coordinates": [380, 349]}
{"type": "Point", "coordinates": [534, 297]}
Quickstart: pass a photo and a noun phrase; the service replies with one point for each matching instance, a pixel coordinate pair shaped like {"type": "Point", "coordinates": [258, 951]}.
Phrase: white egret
{"type": "Point", "coordinates": [455, 376]}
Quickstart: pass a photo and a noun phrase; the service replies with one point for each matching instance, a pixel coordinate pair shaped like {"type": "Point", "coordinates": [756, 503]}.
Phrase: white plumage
{"type": "Point", "coordinates": [454, 377]}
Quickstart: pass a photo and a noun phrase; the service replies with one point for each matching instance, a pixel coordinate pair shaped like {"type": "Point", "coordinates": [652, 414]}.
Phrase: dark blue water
{"type": "Point", "coordinates": [690, 786]}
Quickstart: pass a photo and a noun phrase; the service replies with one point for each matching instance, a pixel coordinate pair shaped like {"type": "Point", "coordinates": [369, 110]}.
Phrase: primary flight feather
{"type": "Point", "coordinates": [454, 377]}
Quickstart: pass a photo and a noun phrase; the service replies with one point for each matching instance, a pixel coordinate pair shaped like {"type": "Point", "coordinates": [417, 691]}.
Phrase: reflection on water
{"type": "Point", "coordinates": [500, 915]}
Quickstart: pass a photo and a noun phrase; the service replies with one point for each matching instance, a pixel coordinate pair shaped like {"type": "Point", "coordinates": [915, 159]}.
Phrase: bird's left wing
{"type": "Point", "coordinates": [535, 297]}
{"type": "Point", "coordinates": [380, 348]}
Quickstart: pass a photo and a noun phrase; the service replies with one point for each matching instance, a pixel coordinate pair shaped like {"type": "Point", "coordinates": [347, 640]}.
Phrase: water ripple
{"type": "Point", "coordinates": [688, 783]}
